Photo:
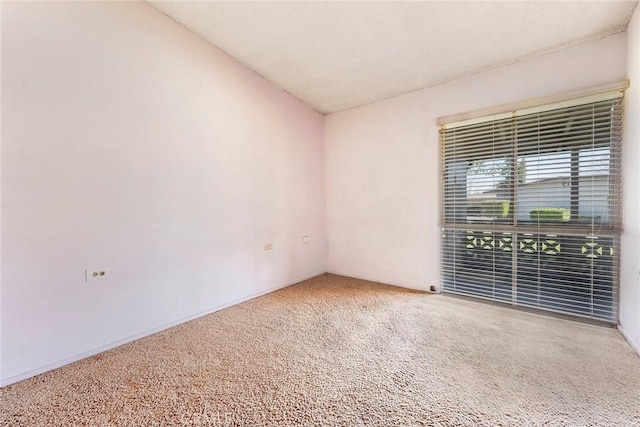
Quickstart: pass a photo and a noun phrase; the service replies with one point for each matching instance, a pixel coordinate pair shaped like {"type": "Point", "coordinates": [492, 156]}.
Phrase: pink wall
{"type": "Point", "coordinates": [630, 251]}
{"type": "Point", "coordinates": [129, 143]}
{"type": "Point", "coordinates": [382, 160]}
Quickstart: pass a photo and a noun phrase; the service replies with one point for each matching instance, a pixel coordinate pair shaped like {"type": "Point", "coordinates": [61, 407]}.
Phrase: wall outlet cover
{"type": "Point", "coordinates": [92, 274]}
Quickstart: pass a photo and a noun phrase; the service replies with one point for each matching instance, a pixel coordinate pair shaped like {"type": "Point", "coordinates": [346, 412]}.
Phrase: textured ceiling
{"type": "Point", "coordinates": [337, 55]}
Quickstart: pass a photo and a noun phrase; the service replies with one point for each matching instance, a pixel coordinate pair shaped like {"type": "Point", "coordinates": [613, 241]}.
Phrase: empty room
{"type": "Point", "coordinates": [324, 213]}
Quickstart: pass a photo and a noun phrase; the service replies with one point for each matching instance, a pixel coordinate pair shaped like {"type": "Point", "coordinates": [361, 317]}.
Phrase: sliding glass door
{"type": "Point", "coordinates": [531, 203]}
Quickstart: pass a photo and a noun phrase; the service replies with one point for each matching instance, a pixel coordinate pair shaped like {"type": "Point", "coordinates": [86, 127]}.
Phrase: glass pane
{"type": "Point", "coordinates": [544, 193]}
{"type": "Point", "coordinates": [566, 273]}
{"type": "Point", "coordinates": [478, 263]}
{"type": "Point", "coordinates": [479, 191]}
{"type": "Point", "coordinates": [564, 188]}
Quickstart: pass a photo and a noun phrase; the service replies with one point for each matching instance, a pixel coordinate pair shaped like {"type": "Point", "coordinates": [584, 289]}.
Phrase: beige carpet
{"type": "Point", "coordinates": [337, 351]}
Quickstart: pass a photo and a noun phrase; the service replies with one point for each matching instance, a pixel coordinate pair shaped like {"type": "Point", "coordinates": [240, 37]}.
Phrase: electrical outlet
{"type": "Point", "coordinates": [306, 239]}
{"type": "Point", "coordinates": [96, 274]}
{"type": "Point", "coordinates": [268, 246]}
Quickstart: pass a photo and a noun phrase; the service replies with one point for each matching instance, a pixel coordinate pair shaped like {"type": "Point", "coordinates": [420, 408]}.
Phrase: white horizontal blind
{"type": "Point", "coordinates": [531, 207]}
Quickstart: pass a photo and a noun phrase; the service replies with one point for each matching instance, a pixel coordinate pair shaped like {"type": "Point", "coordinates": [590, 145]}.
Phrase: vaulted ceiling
{"type": "Point", "coordinates": [337, 55]}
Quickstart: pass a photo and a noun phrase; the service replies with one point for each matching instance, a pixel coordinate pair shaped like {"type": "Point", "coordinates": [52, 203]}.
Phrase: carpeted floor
{"type": "Point", "coordinates": [336, 351]}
